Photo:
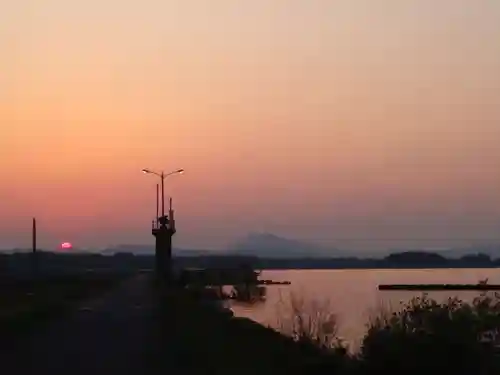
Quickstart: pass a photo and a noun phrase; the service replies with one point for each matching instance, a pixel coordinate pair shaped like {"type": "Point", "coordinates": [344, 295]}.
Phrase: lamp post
{"type": "Point", "coordinates": [162, 176]}
{"type": "Point", "coordinates": [164, 231]}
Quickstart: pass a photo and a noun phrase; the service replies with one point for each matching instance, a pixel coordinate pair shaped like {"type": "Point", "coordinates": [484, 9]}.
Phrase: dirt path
{"type": "Point", "coordinates": [115, 334]}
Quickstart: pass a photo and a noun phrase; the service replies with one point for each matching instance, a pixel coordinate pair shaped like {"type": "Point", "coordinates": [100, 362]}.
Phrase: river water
{"type": "Point", "coordinates": [352, 294]}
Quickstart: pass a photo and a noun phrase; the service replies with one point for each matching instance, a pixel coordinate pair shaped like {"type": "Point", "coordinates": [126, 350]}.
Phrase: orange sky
{"type": "Point", "coordinates": [312, 119]}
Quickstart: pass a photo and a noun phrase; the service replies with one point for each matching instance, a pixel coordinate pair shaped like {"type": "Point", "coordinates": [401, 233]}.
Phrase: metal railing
{"type": "Point", "coordinates": [155, 224]}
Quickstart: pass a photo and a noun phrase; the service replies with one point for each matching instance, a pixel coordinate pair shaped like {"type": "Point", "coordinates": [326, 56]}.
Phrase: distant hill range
{"type": "Point", "coordinates": [268, 245]}
{"type": "Point", "coordinates": [491, 250]}
{"type": "Point", "coordinates": [254, 244]}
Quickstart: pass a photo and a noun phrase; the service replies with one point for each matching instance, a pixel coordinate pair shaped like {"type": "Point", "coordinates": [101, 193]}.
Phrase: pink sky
{"type": "Point", "coordinates": [310, 119]}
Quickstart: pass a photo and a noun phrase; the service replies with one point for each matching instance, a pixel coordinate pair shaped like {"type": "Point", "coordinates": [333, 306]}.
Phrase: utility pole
{"type": "Point", "coordinates": [34, 254]}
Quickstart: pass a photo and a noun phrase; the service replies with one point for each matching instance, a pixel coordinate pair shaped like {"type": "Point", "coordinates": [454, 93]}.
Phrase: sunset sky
{"type": "Point", "coordinates": [315, 120]}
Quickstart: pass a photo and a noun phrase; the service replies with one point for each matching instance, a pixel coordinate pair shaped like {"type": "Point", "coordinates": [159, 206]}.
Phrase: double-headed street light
{"type": "Point", "coordinates": [162, 176]}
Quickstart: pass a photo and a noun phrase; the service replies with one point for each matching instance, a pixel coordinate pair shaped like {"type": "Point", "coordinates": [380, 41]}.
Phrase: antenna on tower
{"type": "Point", "coordinates": [157, 201]}
{"type": "Point", "coordinates": [171, 215]}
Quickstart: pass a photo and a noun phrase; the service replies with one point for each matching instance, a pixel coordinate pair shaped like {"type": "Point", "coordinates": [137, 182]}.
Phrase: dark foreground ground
{"type": "Point", "coordinates": [111, 335]}
{"type": "Point", "coordinates": [27, 304]}
{"type": "Point", "coordinates": [135, 329]}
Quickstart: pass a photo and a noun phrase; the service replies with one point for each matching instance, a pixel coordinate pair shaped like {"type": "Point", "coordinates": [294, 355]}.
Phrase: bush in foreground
{"type": "Point", "coordinates": [453, 336]}
{"type": "Point", "coordinates": [313, 325]}
{"type": "Point", "coordinates": [309, 321]}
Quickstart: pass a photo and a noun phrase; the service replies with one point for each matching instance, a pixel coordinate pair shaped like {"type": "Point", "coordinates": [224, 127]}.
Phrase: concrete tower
{"type": "Point", "coordinates": [163, 230]}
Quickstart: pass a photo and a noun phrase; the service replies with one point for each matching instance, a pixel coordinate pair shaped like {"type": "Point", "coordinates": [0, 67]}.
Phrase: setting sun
{"type": "Point", "coordinates": [66, 246]}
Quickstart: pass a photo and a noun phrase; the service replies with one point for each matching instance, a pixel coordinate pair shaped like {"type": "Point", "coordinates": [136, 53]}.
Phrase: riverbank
{"type": "Point", "coordinates": [223, 344]}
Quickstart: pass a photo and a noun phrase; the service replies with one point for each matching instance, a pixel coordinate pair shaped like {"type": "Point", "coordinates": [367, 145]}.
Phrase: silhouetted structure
{"type": "Point", "coordinates": [163, 230]}
{"type": "Point", "coordinates": [34, 260]}
{"type": "Point", "coordinates": [439, 287]}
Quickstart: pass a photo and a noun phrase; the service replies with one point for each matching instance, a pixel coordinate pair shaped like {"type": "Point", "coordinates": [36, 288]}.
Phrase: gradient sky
{"type": "Point", "coordinates": [317, 120]}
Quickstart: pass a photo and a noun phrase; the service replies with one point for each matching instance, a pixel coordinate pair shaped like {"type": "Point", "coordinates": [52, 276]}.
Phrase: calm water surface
{"type": "Point", "coordinates": [353, 294]}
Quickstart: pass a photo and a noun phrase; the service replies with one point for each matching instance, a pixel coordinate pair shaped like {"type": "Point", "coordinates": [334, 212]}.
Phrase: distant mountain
{"type": "Point", "coordinates": [273, 246]}
{"type": "Point", "coordinates": [135, 249]}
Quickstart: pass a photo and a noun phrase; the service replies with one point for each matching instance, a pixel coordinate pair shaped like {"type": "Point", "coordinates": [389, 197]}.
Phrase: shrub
{"type": "Point", "coordinates": [311, 322]}
{"type": "Point", "coordinates": [454, 336]}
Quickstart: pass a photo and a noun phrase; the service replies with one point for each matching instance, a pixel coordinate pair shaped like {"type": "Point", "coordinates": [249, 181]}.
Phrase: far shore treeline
{"type": "Point", "coordinates": [20, 262]}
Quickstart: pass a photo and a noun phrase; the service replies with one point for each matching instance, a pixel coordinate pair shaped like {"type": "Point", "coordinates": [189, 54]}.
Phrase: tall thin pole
{"type": "Point", "coordinates": [34, 235]}
{"type": "Point", "coordinates": [162, 195]}
{"type": "Point", "coordinates": [34, 255]}
{"type": "Point", "coordinates": [157, 201]}
{"type": "Point", "coordinates": [171, 215]}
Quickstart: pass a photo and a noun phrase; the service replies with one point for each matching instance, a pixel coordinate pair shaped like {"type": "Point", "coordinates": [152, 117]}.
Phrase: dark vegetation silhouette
{"type": "Point", "coordinates": [423, 336]}
{"type": "Point", "coordinates": [213, 341]}
{"type": "Point", "coordinates": [451, 337]}
{"type": "Point", "coordinates": [19, 263]}
{"type": "Point", "coordinates": [409, 259]}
